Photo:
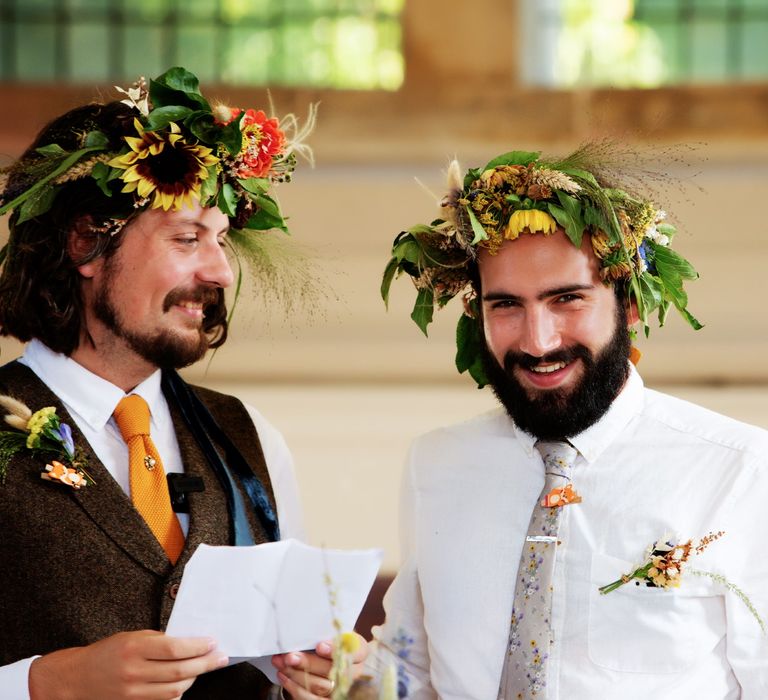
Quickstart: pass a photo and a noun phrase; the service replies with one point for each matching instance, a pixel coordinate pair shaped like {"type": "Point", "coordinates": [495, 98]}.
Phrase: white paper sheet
{"type": "Point", "coordinates": [270, 598]}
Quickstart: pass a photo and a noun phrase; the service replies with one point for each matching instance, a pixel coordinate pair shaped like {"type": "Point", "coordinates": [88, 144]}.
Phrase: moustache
{"type": "Point", "coordinates": [523, 360]}
{"type": "Point", "coordinates": [207, 296]}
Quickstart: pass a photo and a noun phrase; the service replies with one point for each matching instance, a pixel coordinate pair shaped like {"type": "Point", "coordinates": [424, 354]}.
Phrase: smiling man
{"type": "Point", "coordinates": [114, 273]}
{"type": "Point", "coordinates": [594, 539]}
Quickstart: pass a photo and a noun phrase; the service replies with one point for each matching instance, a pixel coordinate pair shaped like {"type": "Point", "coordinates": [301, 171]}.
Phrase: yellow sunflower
{"type": "Point", "coordinates": [532, 219]}
{"type": "Point", "coordinates": [163, 165]}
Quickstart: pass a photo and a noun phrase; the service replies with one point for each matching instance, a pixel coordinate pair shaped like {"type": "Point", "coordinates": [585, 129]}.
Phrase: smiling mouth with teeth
{"type": "Point", "coordinates": [196, 299]}
{"type": "Point", "coordinates": [546, 369]}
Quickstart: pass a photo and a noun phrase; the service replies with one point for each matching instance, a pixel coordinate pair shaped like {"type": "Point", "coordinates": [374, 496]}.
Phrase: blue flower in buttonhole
{"type": "Point", "coordinates": [64, 436]}
{"type": "Point", "coordinates": [41, 432]}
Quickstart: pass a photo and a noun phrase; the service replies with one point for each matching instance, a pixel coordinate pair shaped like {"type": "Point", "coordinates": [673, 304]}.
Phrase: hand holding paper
{"type": "Point", "coordinates": [271, 598]}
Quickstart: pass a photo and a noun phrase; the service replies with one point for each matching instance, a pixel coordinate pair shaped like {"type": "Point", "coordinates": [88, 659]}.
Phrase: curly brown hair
{"type": "Point", "coordinates": [40, 286]}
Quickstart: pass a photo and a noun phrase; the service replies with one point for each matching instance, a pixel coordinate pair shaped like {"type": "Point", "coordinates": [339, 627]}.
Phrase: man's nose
{"type": "Point", "coordinates": [215, 268]}
{"type": "Point", "coordinates": [540, 333]}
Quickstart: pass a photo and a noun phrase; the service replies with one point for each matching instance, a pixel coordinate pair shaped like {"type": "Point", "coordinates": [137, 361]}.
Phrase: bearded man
{"type": "Point", "coordinates": [115, 273]}
{"type": "Point", "coordinates": [593, 539]}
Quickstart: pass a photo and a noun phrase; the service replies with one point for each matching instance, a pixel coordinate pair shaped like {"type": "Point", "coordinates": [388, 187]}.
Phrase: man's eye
{"type": "Point", "coordinates": [566, 298]}
{"type": "Point", "coordinates": [504, 304]}
{"type": "Point", "coordinates": [186, 240]}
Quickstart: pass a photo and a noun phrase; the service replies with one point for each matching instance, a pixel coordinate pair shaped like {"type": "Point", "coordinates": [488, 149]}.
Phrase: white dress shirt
{"type": "Point", "coordinates": [90, 401]}
{"type": "Point", "coordinates": [652, 465]}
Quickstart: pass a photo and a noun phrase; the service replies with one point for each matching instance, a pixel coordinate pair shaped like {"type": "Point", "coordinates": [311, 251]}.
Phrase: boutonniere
{"type": "Point", "coordinates": [665, 561]}
{"type": "Point", "coordinates": [41, 432]}
{"type": "Point", "coordinates": [559, 497]}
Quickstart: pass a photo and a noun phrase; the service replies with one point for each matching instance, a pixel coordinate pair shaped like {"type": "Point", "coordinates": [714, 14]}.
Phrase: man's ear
{"type": "Point", "coordinates": [632, 314]}
{"type": "Point", "coordinates": [467, 300]}
{"type": "Point", "coordinates": [80, 242]}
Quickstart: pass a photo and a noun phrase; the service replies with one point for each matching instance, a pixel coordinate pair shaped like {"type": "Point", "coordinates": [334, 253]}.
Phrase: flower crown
{"type": "Point", "coordinates": [182, 150]}
{"type": "Point", "coordinates": [520, 192]}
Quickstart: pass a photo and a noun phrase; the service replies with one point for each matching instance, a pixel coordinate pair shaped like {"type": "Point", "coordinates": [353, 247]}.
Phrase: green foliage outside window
{"type": "Point", "coordinates": [648, 43]}
{"type": "Point", "coordinates": [347, 44]}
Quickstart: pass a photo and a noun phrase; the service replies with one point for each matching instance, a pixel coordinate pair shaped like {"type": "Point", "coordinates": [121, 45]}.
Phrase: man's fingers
{"type": "Point", "coordinates": [304, 686]}
{"type": "Point", "coordinates": [143, 664]}
{"type": "Point", "coordinates": [306, 673]}
{"type": "Point", "coordinates": [160, 647]}
{"type": "Point", "coordinates": [308, 662]}
{"type": "Point", "coordinates": [170, 671]}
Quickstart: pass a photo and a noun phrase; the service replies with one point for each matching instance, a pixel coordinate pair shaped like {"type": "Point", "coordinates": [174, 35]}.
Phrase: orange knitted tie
{"type": "Point", "coordinates": [149, 489]}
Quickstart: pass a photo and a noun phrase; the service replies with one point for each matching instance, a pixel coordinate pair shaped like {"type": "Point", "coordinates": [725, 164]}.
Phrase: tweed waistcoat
{"type": "Point", "coordinates": [80, 565]}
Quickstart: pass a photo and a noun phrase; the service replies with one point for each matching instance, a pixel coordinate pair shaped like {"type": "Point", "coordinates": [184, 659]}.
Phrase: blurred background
{"type": "Point", "coordinates": [403, 87]}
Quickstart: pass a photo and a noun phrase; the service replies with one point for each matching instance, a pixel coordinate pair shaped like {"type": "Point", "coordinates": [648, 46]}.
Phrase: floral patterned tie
{"type": "Point", "coordinates": [524, 675]}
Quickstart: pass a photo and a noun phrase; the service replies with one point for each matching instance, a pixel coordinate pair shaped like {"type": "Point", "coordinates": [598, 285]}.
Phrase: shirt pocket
{"type": "Point", "coordinates": [639, 629]}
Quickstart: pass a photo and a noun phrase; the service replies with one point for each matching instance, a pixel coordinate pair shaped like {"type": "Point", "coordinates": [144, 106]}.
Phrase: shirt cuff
{"type": "Point", "coordinates": [14, 679]}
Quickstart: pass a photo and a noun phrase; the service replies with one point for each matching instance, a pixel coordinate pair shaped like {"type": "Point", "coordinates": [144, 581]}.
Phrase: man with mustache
{"type": "Point", "coordinates": [594, 539]}
{"type": "Point", "coordinates": [114, 274]}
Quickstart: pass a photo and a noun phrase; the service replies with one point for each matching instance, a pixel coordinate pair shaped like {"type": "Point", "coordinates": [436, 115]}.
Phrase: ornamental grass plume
{"type": "Point", "coordinates": [18, 413]}
{"type": "Point", "coordinates": [345, 646]}
{"type": "Point", "coordinates": [553, 180]}
{"type": "Point", "coordinates": [83, 169]}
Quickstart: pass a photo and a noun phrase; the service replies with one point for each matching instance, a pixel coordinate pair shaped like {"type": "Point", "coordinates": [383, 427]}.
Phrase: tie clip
{"type": "Point", "coordinates": [540, 538]}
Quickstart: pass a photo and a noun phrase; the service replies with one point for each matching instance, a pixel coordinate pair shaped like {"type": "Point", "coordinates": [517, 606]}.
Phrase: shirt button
{"type": "Point", "coordinates": [173, 591]}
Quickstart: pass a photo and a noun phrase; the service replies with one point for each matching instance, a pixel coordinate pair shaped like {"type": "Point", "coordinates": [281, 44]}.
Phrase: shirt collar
{"type": "Point", "coordinates": [84, 393]}
{"type": "Point", "coordinates": [591, 442]}
{"type": "Point", "coordinates": [594, 440]}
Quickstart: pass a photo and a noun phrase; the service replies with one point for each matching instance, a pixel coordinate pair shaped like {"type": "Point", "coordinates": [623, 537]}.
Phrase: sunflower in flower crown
{"type": "Point", "coordinates": [164, 166]}
{"type": "Point", "coordinates": [178, 149]}
{"type": "Point", "coordinates": [167, 148]}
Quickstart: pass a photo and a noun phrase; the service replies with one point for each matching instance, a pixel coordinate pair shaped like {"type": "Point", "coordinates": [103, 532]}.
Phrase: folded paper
{"type": "Point", "coordinates": [271, 598]}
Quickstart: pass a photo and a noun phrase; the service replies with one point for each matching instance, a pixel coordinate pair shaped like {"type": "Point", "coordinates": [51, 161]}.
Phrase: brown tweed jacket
{"type": "Point", "coordinates": [78, 566]}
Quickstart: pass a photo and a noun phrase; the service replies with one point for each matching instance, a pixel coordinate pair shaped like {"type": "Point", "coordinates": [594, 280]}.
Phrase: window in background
{"type": "Point", "coordinates": [643, 43]}
{"type": "Point", "coordinates": [351, 44]}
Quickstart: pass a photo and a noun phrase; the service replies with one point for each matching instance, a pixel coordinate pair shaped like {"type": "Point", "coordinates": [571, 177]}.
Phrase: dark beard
{"type": "Point", "coordinates": [558, 414]}
{"type": "Point", "coordinates": [163, 348]}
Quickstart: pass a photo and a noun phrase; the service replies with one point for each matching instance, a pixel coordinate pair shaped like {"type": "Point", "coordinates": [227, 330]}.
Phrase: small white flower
{"type": "Point", "coordinates": [137, 96]}
{"type": "Point", "coordinates": [666, 542]}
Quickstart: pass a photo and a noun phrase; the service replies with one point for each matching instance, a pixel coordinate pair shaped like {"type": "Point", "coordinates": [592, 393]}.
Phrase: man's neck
{"type": "Point", "coordinates": [113, 362]}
